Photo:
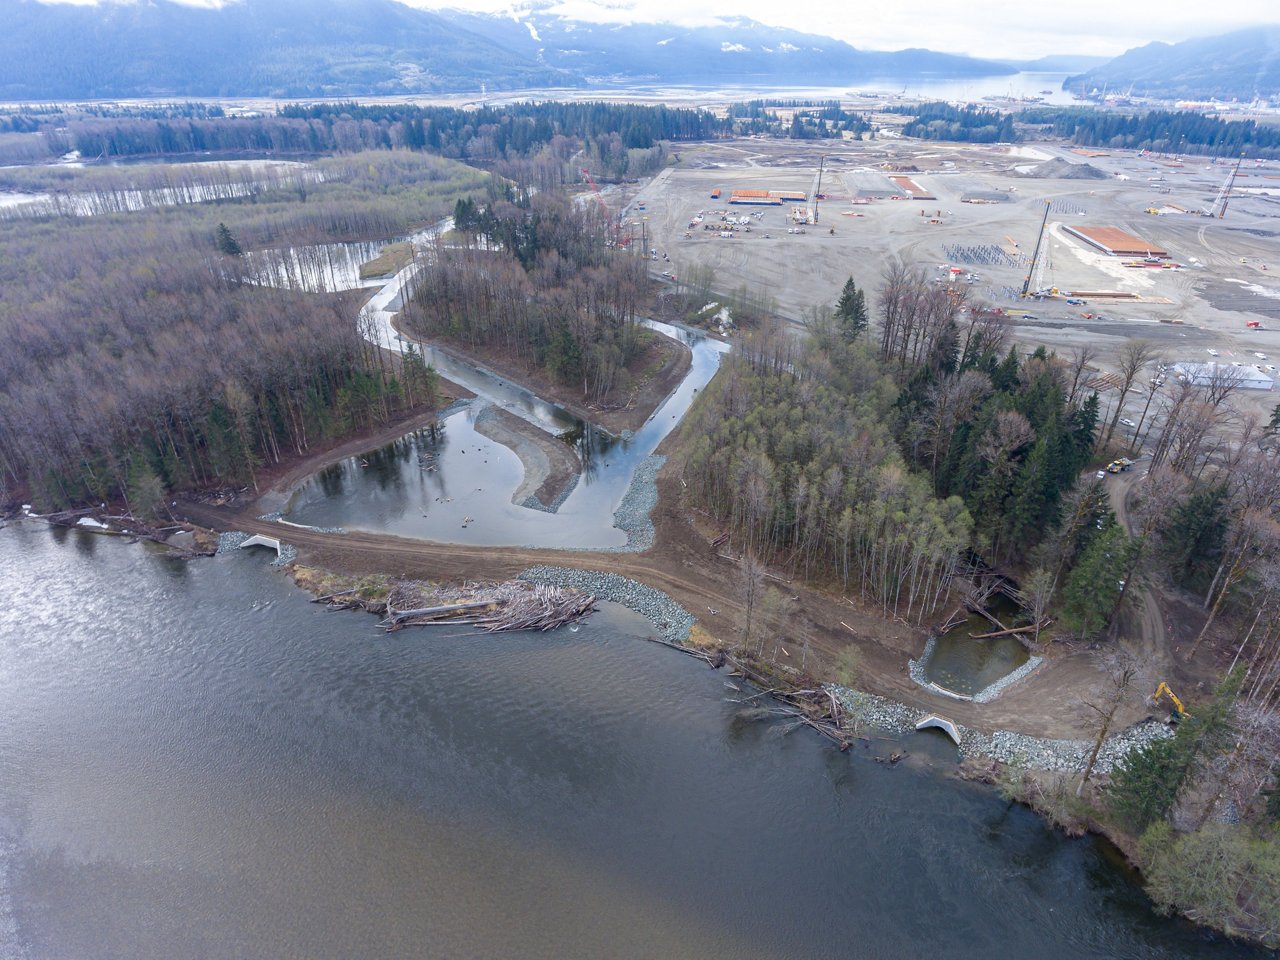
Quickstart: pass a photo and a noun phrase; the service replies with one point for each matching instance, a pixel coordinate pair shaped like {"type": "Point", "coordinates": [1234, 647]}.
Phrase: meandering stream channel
{"type": "Point", "coordinates": [430, 485]}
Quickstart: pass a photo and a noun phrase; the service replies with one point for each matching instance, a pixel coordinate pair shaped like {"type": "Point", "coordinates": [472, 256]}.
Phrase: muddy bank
{"type": "Point", "coordinates": [551, 466]}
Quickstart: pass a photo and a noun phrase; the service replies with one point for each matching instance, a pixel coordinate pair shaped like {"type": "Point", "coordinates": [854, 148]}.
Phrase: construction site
{"type": "Point", "coordinates": [1076, 246]}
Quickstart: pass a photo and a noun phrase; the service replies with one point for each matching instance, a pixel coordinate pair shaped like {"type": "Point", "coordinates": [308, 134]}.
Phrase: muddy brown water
{"type": "Point", "coordinates": [196, 762]}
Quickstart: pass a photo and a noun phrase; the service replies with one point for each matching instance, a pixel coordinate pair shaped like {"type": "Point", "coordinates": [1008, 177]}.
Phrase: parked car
{"type": "Point", "coordinates": [1212, 353]}
{"type": "Point", "coordinates": [1127, 422]}
{"type": "Point", "coordinates": [1076, 301]}
{"type": "Point", "coordinates": [1102, 475]}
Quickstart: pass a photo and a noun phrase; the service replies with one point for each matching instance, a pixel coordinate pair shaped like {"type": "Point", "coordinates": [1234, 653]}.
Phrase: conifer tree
{"type": "Point", "coordinates": [851, 311]}
{"type": "Point", "coordinates": [226, 242]}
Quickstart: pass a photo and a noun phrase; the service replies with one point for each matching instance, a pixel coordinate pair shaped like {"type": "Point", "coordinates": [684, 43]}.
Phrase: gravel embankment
{"type": "Point", "coordinates": [633, 514]}
{"type": "Point", "coordinates": [1061, 756]}
{"type": "Point", "coordinates": [668, 617]}
{"type": "Point", "coordinates": [231, 541]}
{"type": "Point", "coordinates": [451, 409]}
{"type": "Point", "coordinates": [533, 503]}
{"type": "Point", "coordinates": [993, 690]}
{"type": "Point", "coordinates": [916, 669]}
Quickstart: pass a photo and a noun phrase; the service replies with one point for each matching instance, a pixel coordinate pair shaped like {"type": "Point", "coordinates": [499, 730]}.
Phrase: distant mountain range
{"type": "Point", "coordinates": [737, 50]}
{"type": "Point", "coordinates": [335, 48]}
{"type": "Point", "coordinates": [1241, 65]}
{"type": "Point", "coordinates": [286, 48]}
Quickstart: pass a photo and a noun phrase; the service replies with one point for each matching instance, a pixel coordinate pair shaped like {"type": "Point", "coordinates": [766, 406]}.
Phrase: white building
{"type": "Point", "coordinates": [1246, 376]}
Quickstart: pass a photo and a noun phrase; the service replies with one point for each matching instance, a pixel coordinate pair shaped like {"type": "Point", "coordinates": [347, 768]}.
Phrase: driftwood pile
{"type": "Point", "coordinates": [813, 707]}
{"type": "Point", "coordinates": [491, 607]}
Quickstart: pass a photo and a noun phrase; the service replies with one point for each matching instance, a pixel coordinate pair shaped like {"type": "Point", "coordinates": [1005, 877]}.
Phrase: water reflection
{"type": "Point", "coordinates": [460, 491]}
{"type": "Point", "coordinates": [214, 767]}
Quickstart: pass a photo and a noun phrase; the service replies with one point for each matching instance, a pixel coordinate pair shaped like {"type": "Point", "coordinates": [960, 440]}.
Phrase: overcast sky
{"type": "Point", "coordinates": [985, 28]}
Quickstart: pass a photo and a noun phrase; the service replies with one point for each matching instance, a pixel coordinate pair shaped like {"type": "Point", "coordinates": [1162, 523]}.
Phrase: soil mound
{"type": "Point", "coordinates": [1059, 169]}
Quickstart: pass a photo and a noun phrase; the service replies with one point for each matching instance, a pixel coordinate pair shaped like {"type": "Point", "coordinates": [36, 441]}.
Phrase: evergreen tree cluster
{"type": "Point", "coordinates": [1000, 434]}
{"type": "Point", "coordinates": [538, 279]}
{"type": "Point", "coordinates": [791, 451]}
{"type": "Point", "coordinates": [1162, 131]}
{"type": "Point", "coordinates": [943, 121]}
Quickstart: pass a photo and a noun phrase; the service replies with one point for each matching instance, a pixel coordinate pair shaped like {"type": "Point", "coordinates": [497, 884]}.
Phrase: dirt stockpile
{"type": "Point", "coordinates": [1059, 169]}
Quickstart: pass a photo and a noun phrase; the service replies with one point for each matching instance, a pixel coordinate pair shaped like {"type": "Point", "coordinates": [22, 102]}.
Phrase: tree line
{"type": "Point", "coordinates": [538, 278]}
{"type": "Point", "coordinates": [944, 121]}
{"type": "Point", "coordinates": [791, 452]}
{"type": "Point", "coordinates": [144, 356]}
{"type": "Point", "coordinates": [1163, 131]}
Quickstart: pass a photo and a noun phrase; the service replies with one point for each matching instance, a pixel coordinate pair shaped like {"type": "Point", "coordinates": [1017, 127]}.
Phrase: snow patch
{"type": "Point", "coordinates": [785, 47]}
{"type": "Point", "coordinates": [1254, 288]}
{"type": "Point", "coordinates": [91, 523]}
{"type": "Point", "coordinates": [663, 43]}
{"type": "Point", "coordinates": [727, 47]}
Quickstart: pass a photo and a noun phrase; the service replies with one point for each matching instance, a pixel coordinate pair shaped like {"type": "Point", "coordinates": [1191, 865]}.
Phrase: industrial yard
{"type": "Point", "coordinates": [1122, 232]}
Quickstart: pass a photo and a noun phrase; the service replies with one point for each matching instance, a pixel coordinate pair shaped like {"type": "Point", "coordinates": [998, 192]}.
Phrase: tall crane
{"type": "Point", "coordinates": [1219, 208]}
{"type": "Point", "coordinates": [1035, 254]}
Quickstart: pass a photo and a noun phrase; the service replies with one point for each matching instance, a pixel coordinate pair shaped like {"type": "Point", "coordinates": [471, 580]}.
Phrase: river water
{"type": "Point", "coordinates": [397, 490]}
{"type": "Point", "coordinates": [195, 762]}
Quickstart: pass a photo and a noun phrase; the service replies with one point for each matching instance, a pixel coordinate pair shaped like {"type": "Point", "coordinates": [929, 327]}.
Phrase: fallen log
{"type": "Point", "coordinates": [982, 612]}
{"type": "Point", "coordinates": [1001, 633]}
{"type": "Point", "coordinates": [398, 615]}
{"type": "Point", "coordinates": [1029, 628]}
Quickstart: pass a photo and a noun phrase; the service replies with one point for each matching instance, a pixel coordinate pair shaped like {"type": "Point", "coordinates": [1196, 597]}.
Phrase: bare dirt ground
{"type": "Point", "coordinates": [1230, 268]}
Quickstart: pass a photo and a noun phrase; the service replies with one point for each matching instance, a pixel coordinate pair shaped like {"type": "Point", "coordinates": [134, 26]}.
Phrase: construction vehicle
{"type": "Point", "coordinates": [1219, 208]}
{"type": "Point", "coordinates": [1035, 255]}
{"type": "Point", "coordinates": [1179, 711]}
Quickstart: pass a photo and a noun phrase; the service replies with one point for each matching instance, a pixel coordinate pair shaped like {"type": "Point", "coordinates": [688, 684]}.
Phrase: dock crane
{"type": "Point", "coordinates": [1035, 254]}
{"type": "Point", "coordinates": [1219, 208]}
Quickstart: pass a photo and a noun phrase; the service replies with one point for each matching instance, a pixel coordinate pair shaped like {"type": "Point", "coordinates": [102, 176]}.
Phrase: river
{"type": "Point", "coordinates": [392, 490]}
{"type": "Point", "coordinates": [196, 762]}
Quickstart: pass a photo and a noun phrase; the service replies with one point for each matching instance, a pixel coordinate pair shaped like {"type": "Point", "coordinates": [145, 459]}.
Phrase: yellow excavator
{"type": "Point", "coordinates": [1179, 711]}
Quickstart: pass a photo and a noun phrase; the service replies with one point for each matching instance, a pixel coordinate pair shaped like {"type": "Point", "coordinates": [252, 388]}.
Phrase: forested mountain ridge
{"type": "Point", "coordinates": [1232, 66]}
{"type": "Point", "coordinates": [334, 48]}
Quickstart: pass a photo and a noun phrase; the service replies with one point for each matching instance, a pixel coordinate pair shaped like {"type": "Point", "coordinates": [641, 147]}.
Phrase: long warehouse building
{"type": "Point", "coordinates": [1117, 243]}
